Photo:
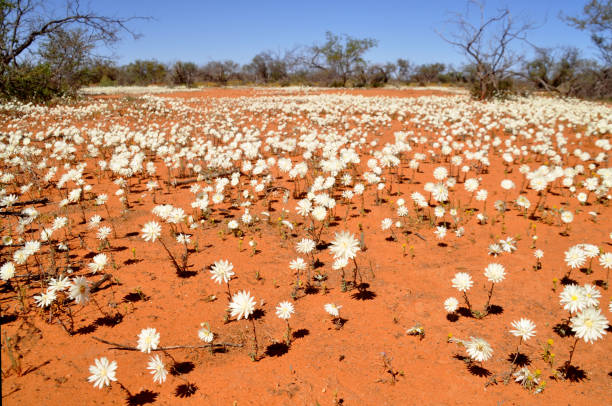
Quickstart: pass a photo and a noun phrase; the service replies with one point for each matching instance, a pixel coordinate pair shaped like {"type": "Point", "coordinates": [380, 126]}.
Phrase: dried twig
{"type": "Point", "coordinates": [117, 346]}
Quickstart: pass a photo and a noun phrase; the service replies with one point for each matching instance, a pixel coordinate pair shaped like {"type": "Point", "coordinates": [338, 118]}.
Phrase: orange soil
{"type": "Point", "coordinates": [323, 364]}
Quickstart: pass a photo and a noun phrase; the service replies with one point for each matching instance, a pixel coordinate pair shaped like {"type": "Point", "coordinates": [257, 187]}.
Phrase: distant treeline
{"type": "Point", "coordinates": [64, 59]}
{"type": "Point", "coordinates": [561, 71]}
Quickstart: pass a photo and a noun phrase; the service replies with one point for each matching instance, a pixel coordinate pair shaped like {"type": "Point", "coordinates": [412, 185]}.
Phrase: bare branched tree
{"type": "Point", "coordinates": [25, 22]}
{"type": "Point", "coordinates": [488, 46]}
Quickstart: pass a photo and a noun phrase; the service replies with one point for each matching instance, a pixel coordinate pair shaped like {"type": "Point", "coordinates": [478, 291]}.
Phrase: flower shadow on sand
{"type": "Point", "coordinates": [363, 293]}
{"type": "Point", "coordinates": [142, 398]}
{"type": "Point", "coordinates": [277, 349]}
{"type": "Point", "coordinates": [185, 390]}
{"type": "Point", "coordinates": [520, 360]}
{"type": "Point", "coordinates": [474, 369]}
{"type": "Point", "coordinates": [181, 368]}
{"type": "Point", "coordinates": [573, 373]}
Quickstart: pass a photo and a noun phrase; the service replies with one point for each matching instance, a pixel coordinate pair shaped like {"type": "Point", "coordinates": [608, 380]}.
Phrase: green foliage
{"type": "Point", "coordinates": [143, 72]}
{"type": "Point", "coordinates": [341, 55]}
{"type": "Point", "coordinates": [428, 73]}
{"type": "Point", "coordinates": [184, 73]}
{"type": "Point", "coordinates": [597, 19]}
{"type": "Point", "coordinates": [29, 83]}
{"type": "Point", "coordinates": [67, 53]}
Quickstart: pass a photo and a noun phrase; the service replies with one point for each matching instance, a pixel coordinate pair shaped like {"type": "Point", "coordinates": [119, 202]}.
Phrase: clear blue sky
{"type": "Point", "coordinates": [201, 31]}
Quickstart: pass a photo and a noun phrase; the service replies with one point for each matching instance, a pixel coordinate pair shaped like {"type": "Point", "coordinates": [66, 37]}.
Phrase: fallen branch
{"type": "Point", "coordinates": [97, 284]}
{"type": "Point", "coordinates": [117, 346]}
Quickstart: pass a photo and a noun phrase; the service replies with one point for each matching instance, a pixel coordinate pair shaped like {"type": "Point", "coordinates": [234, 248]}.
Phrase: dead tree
{"type": "Point", "coordinates": [487, 45]}
{"type": "Point", "coordinates": [25, 22]}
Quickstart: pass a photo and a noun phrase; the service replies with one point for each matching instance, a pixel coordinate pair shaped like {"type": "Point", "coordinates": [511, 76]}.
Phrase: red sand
{"type": "Point", "coordinates": [323, 365]}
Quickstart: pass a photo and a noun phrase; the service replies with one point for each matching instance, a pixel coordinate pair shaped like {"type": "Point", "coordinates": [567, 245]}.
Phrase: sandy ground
{"type": "Point", "coordinates": [404, 283]}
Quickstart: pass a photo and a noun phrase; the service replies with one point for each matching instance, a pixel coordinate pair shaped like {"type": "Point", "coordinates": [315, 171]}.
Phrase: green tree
{"type": "Point", "coordinates": [184, 73]}
{"type": "Point", "coordinates": [597, 19]}
{"type": "Point", "coordinates": [68, 54]}
{"type": "Point", "coordinates": [428, 73]}
{"type": "Point", "coordinates": [26, 24]}
{"type": "Point", "coordinates": [143, 72]}
{"type": "Point", "coordinates": [341, 56]}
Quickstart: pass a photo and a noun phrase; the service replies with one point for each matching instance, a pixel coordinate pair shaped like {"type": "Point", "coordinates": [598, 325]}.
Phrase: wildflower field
{"type": "Point", "coordinates": [303, 246]}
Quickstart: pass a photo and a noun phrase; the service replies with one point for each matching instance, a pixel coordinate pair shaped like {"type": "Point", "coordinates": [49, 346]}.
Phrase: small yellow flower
{"type": "Point", "coordinates": [550, 341]}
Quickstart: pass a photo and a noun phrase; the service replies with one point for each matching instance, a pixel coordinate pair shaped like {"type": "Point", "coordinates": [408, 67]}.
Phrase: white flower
{"type": "Point", "coordinates": [157, 368]}
{"type": "Point", "coordinates": [20, 256]}
{"type": "Point", "coordinates": [523, 328]}
{"type": "Point", "coordinates": [589, 324]}
{"type": "Point", "coordinates": [94, 221]}
{"type": "Point", "coordinates": [102, 373]}
{"type": "Point", "coordinates": [345, 245]}
{"type": "Point", "coordinates": [333, 309]}
{"type": "Point", "coordinates": [572, 298]}
{"type": "Point", "coordinates": [440, 232]}
{"type": "Point", "coordinates": [319, 213]}
{"type": "Point", "coordinates": [7, 271]}
{"type": "Point", "coordinates": [495, 272]}
{"type": "Point", "coordinates": [284, 310]}
{"type": "Point", "coordinates": [103, 233]}
{"type": "Point", "coordinates": [242, 305]}
{"type": "Point", "coordinates": [591, 295]}
{"type": "Point", "coordinates": [590, 250]}
{"type": "Point", "coordinates": [183, 239]}
{"type": "Point", "coordinates": [605, 260]}
{"type": "Point", "coordinates": [151, 231]}
{"type": "Point", "coordinates": [305, 246]}
{"type": "Point", "coordinates": [539, 254]}
{"type": "Point", "coordinates": [538, 183]}
{"type": "Point", "coordinates": [575, 257]}
{"type": "Point", "coordinates": [31, 247]}
{"type": "Point", "coordinates": [523, 202]}
{"type": "Point", "coordinates": [148, 340]}
{"type": "Point", "coordinates": [386, 224]}
{"type": "Point", "coordinates": [440, 173]}
{"type": "Point", "coordinates": [222, 271]}
{"type": "Point", "coordinates": [526, 378]}
{"type": "Point", "coordinates": [59, 285]}
{"type": "Point", "coordinates": [507, 184]}
{"type": "Point", "coordinates": [567, 216]}
{"type": "Point", "coordinates": [79, 290]}
{"type": "Point", "coordinates": [205, 334]}
{"type": "Point", "coordinates": [45, 299]}
{"type": "Point", "coordinates": [439, 192]}
{"type": "Point", "coordinates": [304, 207]}
{"type": "Point", "coordinates": [462, 281]}
{"type": "Point", "coordinates": [471, 185]}
{"type": "Point", "coordinates": [481, 195]}
{"type": "Point", "coordinates": [339, 263]}
{"type": "Point", "coordinates": [101, 199]}
{"type": "Point", "coordinates": [297, 264]}
{"type": "Point", "coordinates": [478, 349]}
{"type": "Point", "coordinates": [451, 304]}
{"type": "Point", "coordinates": [98, 264]}
{"type": "Point", "coordinates": [495, 249]}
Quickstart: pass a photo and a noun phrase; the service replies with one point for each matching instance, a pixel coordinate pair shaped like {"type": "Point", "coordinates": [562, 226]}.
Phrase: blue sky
{"type": "Point", "coordinates": [201, 31]}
